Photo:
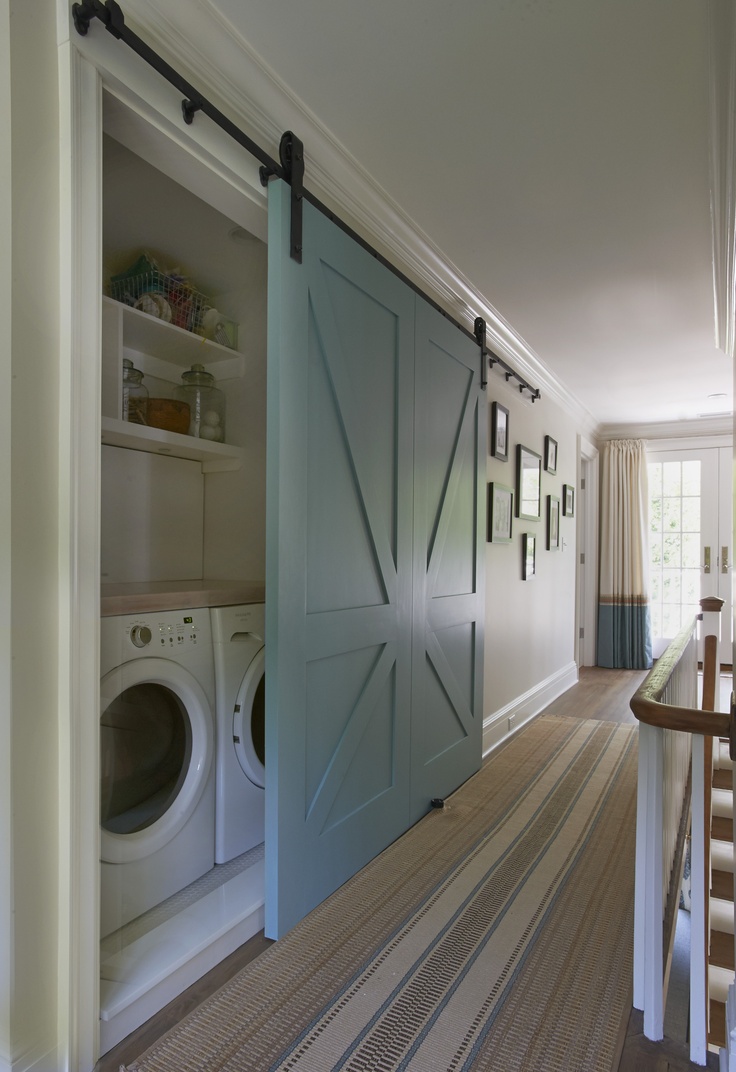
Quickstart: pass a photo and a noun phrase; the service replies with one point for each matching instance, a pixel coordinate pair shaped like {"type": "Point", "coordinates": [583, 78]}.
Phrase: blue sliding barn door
{"type": "Point", "coordinates": [449, 557]}
{"type": "Point", "coordinates": [339, 551]}
{"type": "Point", "coordinates": [348, 612]}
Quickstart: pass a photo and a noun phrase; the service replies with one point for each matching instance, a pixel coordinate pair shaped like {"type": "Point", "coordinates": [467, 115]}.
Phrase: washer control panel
{"type": "Point", "coordinates": [171, 633]}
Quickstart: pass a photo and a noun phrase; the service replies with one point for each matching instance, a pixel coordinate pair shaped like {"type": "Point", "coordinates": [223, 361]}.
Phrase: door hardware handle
{"type": "Point", "coordinates": [706, 560]}
{"type": "Point", "coordinates": [724, 560]}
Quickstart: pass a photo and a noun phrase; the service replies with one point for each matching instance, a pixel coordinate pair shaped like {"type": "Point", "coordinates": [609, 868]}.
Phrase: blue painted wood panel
{"type": "Point", "coordinates": [375, 501]}
{"type": "Point", "coordinates": [449, 559]}
{"type": "Point", "coordinates": [339, 551]}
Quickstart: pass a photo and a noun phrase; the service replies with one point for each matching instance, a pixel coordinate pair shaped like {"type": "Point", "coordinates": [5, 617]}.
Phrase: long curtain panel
{"type": "Point", "coordinates": [624, 627]}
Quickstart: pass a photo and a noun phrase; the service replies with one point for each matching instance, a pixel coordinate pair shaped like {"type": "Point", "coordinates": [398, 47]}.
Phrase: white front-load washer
{"type": "Point", "coordinates": [238, 639]}
{"type": "Point", "coordinates": [157, 759]}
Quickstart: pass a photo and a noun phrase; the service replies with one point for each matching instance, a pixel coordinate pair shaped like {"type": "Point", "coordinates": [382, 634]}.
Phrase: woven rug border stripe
{"type": "Point", "coordinates": [489, 930]}
{"type": "Point", "coordinates": [496, 934]}
{"type": "Point", "coordinates": [437, 891]}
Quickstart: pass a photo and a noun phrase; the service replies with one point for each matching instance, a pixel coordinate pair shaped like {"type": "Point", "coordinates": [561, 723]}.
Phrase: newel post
{"type": "Point", "coordinates": [711, 607]}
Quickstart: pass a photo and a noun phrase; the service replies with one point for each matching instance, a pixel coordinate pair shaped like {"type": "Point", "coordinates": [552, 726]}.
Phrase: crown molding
{"type": "Point", "coordinates": [195, 37]}
{"type": "Point", "coordinates": [722, 138]}
{"type": "Point", "coordinates": [702, 427]}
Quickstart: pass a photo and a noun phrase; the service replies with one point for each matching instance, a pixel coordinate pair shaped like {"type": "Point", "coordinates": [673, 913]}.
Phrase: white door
{"type": "Point", "coordinates": [689, 538]}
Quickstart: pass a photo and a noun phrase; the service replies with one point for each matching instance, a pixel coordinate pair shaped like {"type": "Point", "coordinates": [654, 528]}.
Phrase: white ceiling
{"type": "Point", "coordinates": [556, 151]}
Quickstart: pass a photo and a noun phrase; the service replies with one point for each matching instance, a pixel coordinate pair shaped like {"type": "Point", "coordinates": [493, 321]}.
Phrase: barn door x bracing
{"type": "Point", "coordinates": [374, 586]}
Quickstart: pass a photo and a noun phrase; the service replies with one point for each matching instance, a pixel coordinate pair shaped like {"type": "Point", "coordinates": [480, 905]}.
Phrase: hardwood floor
{"type": "Point", "coordinates": [133, 1046]}
{"type": "Point", "coordinates": [600, 694]}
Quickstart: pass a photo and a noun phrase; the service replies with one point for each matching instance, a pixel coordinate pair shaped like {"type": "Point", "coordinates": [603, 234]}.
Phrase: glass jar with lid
{"type": "Point", "coordinates": [206, 404]}
{"type": "Point", "coordinates": [135, 394]}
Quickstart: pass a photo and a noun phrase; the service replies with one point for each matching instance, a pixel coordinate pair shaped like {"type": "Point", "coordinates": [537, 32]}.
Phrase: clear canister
{"type": "Point", "coordinates": [206, 404]}
{"type": "Point", "coordinates": [135, 394]}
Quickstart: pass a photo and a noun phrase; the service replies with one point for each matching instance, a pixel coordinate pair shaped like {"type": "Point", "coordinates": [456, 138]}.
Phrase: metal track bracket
{"type": "Point", "coordinates": [480, 335]}
{"type": "Point", "coordinates": [291, 154]}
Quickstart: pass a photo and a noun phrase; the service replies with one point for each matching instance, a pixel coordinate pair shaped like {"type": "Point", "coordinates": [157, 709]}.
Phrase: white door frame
{"type": "Point", "coordinates": [586, 617]}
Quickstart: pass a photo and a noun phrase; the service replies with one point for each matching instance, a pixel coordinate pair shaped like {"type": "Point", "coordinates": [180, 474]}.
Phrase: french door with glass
{"type": "Point", "coordinates": [690, 541]}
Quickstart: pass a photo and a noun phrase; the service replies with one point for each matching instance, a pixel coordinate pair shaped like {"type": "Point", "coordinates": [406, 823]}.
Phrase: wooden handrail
{"type": "Point", "coordinates": [646, 703]}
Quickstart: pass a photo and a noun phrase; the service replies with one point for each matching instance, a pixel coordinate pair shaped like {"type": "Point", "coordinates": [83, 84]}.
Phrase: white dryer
{"type": "Point", "coordinates": [238, 639]}
{"type": "Point", "coordinates": [157, 759]}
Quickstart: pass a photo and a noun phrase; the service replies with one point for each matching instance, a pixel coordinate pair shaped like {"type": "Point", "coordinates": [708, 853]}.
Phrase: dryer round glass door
{"type": "Point", "coordinates": [156, 749]}
{"type": "Point", "coordinates": [249, 721]}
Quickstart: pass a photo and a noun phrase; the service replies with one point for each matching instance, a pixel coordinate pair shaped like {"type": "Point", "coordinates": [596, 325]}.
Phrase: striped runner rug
{"type": "Point", "coordinates": [496, 934]}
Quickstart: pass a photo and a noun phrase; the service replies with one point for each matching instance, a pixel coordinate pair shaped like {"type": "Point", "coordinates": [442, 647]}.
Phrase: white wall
{"type": "Point", "coordinates": [29, 637]}
{"type": "Point", "coordinates": [143, 209]}
{"type": "Point", "coordinates": [530, 625]}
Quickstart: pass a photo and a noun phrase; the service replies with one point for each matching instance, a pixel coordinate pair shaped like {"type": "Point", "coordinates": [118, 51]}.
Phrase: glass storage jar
{"type": "Point", "coordinates": [135, 394]}
{"type": "Point", "coordinates": [206, 404]}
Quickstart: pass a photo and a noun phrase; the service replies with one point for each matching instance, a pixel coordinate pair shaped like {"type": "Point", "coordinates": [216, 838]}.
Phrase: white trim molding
{"type": "Point", "coordinates": [80, 99]}
{"type": "Point", "coordinates": [722, 25]}
{"type": "Point", "coordinates": [508, 720]}
{"type": "Point", "coordinates": [700, 428]}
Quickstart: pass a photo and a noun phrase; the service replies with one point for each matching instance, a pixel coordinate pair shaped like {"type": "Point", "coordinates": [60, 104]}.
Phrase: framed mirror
{"type": "Point", "coordinates": [528, 483]}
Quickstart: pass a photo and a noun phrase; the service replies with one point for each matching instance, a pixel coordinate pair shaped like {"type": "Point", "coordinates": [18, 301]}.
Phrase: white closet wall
{"type": "Point", "coordinates": [212, 522]}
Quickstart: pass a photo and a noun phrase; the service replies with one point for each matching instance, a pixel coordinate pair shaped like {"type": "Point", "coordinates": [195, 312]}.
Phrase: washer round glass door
{"type": "Point", "coordinates": [249, 721]}
{"type": "Point", "coordinates": [156, 751]}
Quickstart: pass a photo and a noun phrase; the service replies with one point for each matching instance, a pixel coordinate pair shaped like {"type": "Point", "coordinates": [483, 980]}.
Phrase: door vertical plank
{"type": "Point", "coordinates": [449, 560]}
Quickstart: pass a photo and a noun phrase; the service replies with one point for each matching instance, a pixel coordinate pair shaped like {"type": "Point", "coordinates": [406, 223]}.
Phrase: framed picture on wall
{"type": "Point", "coordinates": [500, 512]}
{"type": "Point", "coordinates": [550, 454]}
{"type": "Point", "coordinates": [553, 523]}
{"type": "Point", "coordinates": [528, 556]}
{"type": "Point", "coordinates": [528, 483]}
{"type": "Point", "coordinates": [568, 500]}
{"type": "Point", "coordinates": [499, 432]}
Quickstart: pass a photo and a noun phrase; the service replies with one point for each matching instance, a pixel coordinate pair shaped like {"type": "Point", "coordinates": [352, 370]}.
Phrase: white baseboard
{"type": "Point", "coordinates": [33, 1061]}
{"type": "Point", "coordinates": [500, 725]}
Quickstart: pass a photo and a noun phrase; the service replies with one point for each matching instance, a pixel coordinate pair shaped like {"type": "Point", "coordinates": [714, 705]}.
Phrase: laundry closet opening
{"type": "Point", "coordinates": [182, 630]}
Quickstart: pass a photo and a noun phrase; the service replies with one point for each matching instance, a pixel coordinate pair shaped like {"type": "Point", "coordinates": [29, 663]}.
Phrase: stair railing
{"type": "Point", "coordinates": [672, 729]}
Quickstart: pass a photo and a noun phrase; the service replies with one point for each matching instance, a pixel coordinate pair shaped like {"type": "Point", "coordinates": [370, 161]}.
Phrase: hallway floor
{"type": "Point", "coordinates": [605, 694]}
{"type": "Point", "coordinates": [600, 694]}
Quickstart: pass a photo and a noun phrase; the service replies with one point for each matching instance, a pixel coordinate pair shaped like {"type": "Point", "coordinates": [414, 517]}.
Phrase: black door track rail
{"type": "Point", "coordinates": [290, 167]}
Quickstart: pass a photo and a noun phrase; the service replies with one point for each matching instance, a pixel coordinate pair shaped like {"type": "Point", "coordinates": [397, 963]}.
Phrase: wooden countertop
{"type": "Point", "coordinates": [143, 597]}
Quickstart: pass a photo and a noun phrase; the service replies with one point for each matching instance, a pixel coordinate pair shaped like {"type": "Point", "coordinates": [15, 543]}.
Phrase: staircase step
{"type": "Point", "coordinates": [717, 1024]}
{"type": "Point", "coordinates": [721, 828]}
{"type": "Point", "coordinates": [719, 980]}
{"type": "Point", "coordinates": [722, 779]}
{"type": "Point", "coordinates": [722, 802]}
{"type": "Point", "coordinates": [721, 915]}
{"type": "Point", "coordinates": [721, 950]}
{"type": "Point", "coordinates": [721, 758]}
{"type": "Point", "coordinates": [721, 855]}
{"type": "Point", "coordinates": [721, 885]}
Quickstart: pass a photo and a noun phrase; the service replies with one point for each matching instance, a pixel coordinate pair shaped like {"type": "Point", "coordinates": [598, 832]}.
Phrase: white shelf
{"type": "Point", "coordinates": [147, 334]}
{"type": "Point", "coordinates": [215, 457]}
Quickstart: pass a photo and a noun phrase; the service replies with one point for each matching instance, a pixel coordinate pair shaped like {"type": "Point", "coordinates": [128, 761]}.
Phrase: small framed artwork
{"type": "Point", "coordinates": [550, 454]}
{"type": "Point", "coordinates": [553, 523]}
{"type": "Point", "coordinates": [528, 556]}
{"type": "Point", "coordinates": [499, 432]}
{"type": "Point", "coordinates": [568, 500]}
{"type": "Point", "coordinates": [528, 483]}
{"type": "Point", "coordinates": [500, 512]}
